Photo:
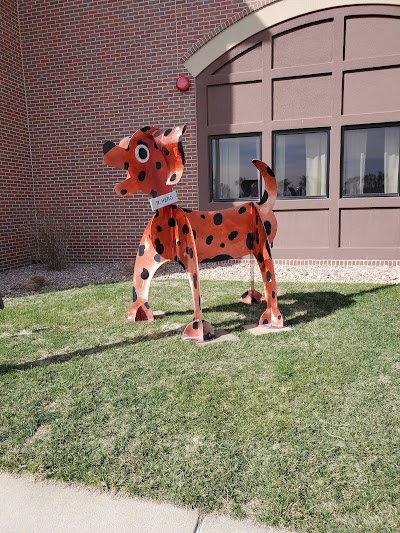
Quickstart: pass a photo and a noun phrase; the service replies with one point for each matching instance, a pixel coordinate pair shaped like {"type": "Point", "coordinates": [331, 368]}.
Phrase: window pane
{"type": "Point", "coordinates": [301, 163]}
{"type": "Point", "coordinates": [371, 160]}
{"type": "Point", "coordinates": [234, 175]}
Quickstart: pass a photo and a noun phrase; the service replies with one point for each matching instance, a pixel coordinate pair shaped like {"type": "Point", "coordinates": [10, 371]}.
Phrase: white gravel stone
{"type": "Point", "coordinates": [79, 274]}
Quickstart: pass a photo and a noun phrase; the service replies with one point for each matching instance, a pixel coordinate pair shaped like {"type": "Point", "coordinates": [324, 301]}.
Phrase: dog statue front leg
{"type": "Point", "coordinates": [198, 330]}
{"type": "Point", "coordinates": [147, 263]}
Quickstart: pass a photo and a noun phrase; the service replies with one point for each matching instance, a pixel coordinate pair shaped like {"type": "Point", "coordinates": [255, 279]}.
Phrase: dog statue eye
{"type": "Point", "coordinates": [142, 153]}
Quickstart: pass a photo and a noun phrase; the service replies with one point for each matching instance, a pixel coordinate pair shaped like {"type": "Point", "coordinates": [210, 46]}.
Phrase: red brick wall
{"type": "Point", "coordinates": [96, 71]}
{"type": "Point", "coordinates": [17, 232]}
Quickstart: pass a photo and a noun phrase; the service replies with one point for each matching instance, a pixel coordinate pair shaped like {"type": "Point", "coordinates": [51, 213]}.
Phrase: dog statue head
{"type": "Point", "coordinates": [153, 158]}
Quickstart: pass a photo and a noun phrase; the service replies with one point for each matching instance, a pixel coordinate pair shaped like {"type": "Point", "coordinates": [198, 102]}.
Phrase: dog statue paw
{"type": "Point", "coordinates": [140, 312]}
{"type": "Point", "coordinates": [199, 331]}
{"type": "Point", "coordinates": [252, 297]}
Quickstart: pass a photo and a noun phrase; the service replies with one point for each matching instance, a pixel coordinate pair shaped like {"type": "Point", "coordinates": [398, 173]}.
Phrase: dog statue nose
{"type": "Point", "coordinates": [107, 146]}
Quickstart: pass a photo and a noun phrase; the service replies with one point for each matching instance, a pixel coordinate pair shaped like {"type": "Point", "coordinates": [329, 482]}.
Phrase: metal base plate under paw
{"type": "Point", "coordinates": [220, 336]}
{"type": "Point", "coordinates": [255, 329]}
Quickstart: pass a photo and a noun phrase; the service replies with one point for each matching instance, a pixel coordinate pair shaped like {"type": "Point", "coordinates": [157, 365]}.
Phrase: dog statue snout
{"type": "Point", "coordinates": [107, 146]}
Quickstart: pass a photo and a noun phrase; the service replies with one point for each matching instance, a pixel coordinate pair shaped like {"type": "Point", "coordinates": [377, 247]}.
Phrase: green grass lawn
{"type": "Point", "coordinates": [297, 429]}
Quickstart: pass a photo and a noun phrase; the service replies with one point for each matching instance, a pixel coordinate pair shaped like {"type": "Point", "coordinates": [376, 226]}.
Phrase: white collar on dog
{"type": "Point", "coordinates": [163, 200]}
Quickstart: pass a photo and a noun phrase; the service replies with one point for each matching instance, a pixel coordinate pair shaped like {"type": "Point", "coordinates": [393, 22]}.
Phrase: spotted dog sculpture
{"type": "Point", "coordinates": [154, 161]}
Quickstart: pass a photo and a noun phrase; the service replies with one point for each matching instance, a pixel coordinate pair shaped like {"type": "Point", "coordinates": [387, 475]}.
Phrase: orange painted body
{"type": "Point", "coordinates": [154, 161]}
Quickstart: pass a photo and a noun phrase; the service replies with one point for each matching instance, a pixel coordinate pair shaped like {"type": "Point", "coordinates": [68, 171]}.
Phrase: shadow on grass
{"type": "Point", "coordinates": [62, 358]}
{"type": "Point", "coordinates": [304, 307]}
{"type": "Point", "coordinates": [308, 306]}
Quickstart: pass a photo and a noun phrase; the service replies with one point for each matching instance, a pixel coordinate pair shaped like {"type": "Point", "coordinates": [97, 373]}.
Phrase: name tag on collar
{"type": "Point", "coordinates": [163, 200]}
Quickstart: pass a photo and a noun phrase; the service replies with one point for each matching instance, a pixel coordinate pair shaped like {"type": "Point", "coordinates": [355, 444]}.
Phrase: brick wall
{"type": "Point", "coordinates": [17, 232]}
{"type": "Point", "coordinates": [96, 71]}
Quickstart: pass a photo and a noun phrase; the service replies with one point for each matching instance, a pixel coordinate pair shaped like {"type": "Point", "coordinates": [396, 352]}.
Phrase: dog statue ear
{"type": "Point", "coordinates": [115, 156]}
{"type": "Point", "coordinates": [169, 142]}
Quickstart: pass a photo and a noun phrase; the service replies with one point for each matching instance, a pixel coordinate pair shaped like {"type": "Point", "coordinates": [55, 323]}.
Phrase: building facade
{"type": "Point", "coordinates": [309, 87]}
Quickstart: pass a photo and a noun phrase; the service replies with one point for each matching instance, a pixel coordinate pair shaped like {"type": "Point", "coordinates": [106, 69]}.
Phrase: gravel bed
{"type": "Point", "coordinates": [17, 282]}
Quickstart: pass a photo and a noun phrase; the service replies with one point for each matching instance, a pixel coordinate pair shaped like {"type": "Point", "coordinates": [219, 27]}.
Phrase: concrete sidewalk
{"type": "Point", "coordinates": [29, 506]}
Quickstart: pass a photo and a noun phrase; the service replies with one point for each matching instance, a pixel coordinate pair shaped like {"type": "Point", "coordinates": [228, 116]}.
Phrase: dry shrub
{"type": "Point", "coordinates": [33, 283]}
{"type": "Point", "coordinates": [128, 268]}
{"type": "Point", "coordinates": [53, 239]}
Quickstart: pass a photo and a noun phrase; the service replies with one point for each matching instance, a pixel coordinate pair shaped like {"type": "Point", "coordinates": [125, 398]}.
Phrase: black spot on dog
{"type": "Point", "coordinates": [195, 281]}
{"type": "Point", "coordinates": [202, 216]}
{"type": "Point", "coordinates": [196, 324]}
{"type": "Point", "coordinates": [270, 171]}
{"type": "Point", "coordinates": [180, 149]}
{"type": "Point", "coordinates": [123, 191]}
{"type": "Point", "coordinates": [171, 222]}
{"type": "Point", "coordinates": [260, 257]}
{"type": "Point", "coordinates": [167, 132]}
{"type": "Point", "coordinates": [146, 304]}
{"type": "Point", "coordinates": [265, 321]}
{"type": "Point", "coordinates": [159, 247]}
{"type": "Point", "coordinates": [143, 143]}
{"type": "Point", "coordinates": [141, 249]}
{"type": "Point", "coordinates": [269, 276]}
{"type": "Point", "coordinates": [157, 258]}
{"type": "Point", "coordinates": [178, 243]}
{"type": "Point", "coordinates": [156, 146]}
{"type": "Point", "coordinates": [185, 229]}
{"type": "Point", "coordinates": [186, 210]}
{"type": "Point", "coordinates": [242, 210]}
{"type": "Point", "coordinates": [158, 165]}
{"type": "Point", "coordinates": [217, 219]}
{"type": "Point", "coordinates": [268, 227]}
{"type": "Point", "coordinates": [174, 206]}
{"type": "Point", "coordinates": [159, 228]}
{"type": "Point", "coordinates": [245, 294]}
{"type": "Point", "coordinates": [176, 258]}
{"type": "Point", "coordinates": [146, 128]}
{"type": "Point", "coordinates": [173, 177]}
{"type": "Point", "coordinates": [153, 193]}
{"type": "Point", "coordinates": [273, 294]}
{"type": "Point", "coordinates": [189, 251]}
{"type": "Point", "coordinates": [126, 165]}
{"type": "Point", "coordinates": [194, 234]}
{"type": "Point", "coordinates": [142, 175]}
{"type": "Point", "coordinates": [268, 249]}
{"type": "Point", "coordinates": [249, 241]}
{"type": "Point", "coordinates": [222, 245]}
{"type": "Point", "coordinates": [263, 199]}
{"type": "Point", "coordinates": [134, 295]}
{"type": "Point", "coordinates": [107, 146]}
{"type": "Point", "coordinates": [145, 274]}
{"type": "Point", "coordinates": [257, 236]}
{"type": "Point", "coordinates": [165, 150]}
{"type": "Point", "coordinates": [156, 214]}
{"type": "Point", "coordinates": [142, 153]}
{"type": "Point", "coordinates": [233, 235]}
{"type": "Point", "coordinates": [220, 257]}
{"type": "Point", "coordinates": [279, 317]}
{"type": "Point", "coordinates": [209, 239]}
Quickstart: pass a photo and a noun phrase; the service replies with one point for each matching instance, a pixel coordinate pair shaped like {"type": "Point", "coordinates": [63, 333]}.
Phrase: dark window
{"type": "Point", "coordinates": [370, 162]}
{"type": "Point", "coordinates": [301, 162]}
{"type": "Point", "coordinates": [233, 174]}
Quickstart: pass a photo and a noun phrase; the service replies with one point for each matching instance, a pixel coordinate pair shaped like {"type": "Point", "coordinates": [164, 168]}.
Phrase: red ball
{"type": "Point", "coordinates": [182, 83]}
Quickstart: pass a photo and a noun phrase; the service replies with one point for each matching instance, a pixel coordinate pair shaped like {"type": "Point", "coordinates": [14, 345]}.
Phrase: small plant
{"type": "Point", "coordinates": [53, 239]}
{"type": "Point", "coordinates": [32, 283]}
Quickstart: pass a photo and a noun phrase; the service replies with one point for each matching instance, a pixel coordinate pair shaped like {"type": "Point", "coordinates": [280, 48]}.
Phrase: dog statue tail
{"type": "Point", "coordinates": [266, 204]}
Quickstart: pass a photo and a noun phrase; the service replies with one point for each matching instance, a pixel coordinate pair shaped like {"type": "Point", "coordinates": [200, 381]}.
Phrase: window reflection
{"type": "Point", "coordinates": [301, 163]}
{"type": "Point", "coordinates": [371, 160]}
{"type": "Point", "coordinates": [233, 174]}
